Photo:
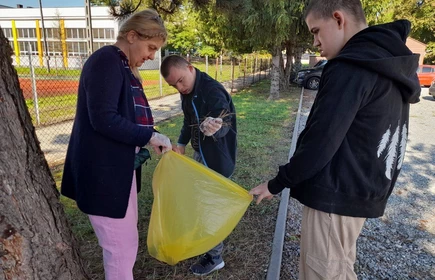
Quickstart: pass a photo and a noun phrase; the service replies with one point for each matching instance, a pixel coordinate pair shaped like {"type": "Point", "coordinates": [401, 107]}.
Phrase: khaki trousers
{"type": "Point", "coordinates": [328, 245]}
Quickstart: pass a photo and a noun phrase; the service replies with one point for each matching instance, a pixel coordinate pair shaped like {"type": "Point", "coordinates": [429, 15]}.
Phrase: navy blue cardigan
{"type": "Point", "coordinates": [99, 163]}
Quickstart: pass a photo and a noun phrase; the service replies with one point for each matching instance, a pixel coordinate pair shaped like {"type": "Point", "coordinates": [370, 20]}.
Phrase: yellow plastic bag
{"type": "Point", "coordinates": [194, 209]}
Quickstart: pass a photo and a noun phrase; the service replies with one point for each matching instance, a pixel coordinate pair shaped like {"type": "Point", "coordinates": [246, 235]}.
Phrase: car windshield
{"type": "Point", "coordinates": [320, 63]}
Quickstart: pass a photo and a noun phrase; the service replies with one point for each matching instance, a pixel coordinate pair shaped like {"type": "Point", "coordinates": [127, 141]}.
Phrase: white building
{"type": "Point", "coordinates": [66, 34]}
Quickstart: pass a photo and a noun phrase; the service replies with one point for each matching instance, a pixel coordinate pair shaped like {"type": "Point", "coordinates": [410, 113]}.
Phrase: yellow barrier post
{"type": "Point", "coordinates": [63, 40]}
{"type": "Point", "coordinates": [39, 43]}
{"type": "Point", "coordinates": [16, 46]}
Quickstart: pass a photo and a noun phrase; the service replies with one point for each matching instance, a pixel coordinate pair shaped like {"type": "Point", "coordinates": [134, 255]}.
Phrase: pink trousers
{"type": "Point", "coordinates": [119, 239]}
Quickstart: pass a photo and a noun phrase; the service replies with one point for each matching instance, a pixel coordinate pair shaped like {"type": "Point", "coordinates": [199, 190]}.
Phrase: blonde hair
{"type": "Point", "coordinates": [147, 24]}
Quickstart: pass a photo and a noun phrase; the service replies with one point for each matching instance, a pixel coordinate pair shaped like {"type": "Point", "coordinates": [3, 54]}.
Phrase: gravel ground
{"type": "Point", "coordinates": [401, 244]}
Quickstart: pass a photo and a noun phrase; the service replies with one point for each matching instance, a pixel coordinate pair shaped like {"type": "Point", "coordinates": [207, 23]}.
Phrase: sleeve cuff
{"type": "Point", "coordinates": [274, 186]}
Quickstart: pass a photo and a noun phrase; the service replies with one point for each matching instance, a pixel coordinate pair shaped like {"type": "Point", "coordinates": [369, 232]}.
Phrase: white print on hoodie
{"type": "Point", "coordinates": [390, 143]}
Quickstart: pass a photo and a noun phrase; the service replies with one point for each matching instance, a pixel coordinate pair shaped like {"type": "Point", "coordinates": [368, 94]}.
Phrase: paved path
{"type": "Point", "coordinates": [54, 138]}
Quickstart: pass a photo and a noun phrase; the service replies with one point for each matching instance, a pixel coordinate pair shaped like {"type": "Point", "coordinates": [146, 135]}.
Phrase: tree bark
{"type": "Point", "coordinates": [298, 57]}
{"type": "Point", "coordinates": [274, 75]}
{"type": "Point", "coordinates": [287, 69]}
{"type": "Point", "coordinates": [36, 241]}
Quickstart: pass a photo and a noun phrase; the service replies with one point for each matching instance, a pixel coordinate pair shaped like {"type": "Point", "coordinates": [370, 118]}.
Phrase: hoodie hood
{"type": "Point", "coordinates": [382, 49]}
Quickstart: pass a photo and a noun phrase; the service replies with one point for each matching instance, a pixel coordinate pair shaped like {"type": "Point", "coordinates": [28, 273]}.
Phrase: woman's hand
{"type": "Point", "coordinates": [160, 143]}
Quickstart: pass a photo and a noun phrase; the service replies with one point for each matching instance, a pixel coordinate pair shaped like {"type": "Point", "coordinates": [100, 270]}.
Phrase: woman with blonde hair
{"type": "Point", "coordinates": [113, 121]}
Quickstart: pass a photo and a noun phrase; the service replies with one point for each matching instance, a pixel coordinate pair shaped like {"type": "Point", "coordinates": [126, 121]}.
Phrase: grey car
{"type": "Point", "coordinates": [310, 78]}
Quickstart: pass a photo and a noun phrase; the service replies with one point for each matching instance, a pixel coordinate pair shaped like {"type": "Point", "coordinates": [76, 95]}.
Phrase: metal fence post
{"type": "Point", "coordinates": [232, 74]}
{"type": "Point", "coordinates": [261, 67]}
{"type": "Point", "coordinates": [160, 76]}
{"type": "Point", "coordinates": [34, 91]}
{"type": "Point", "coordinates": [252, 71]}
{"type": "Point", "coordinates": [221, 57]}
{"type": "Point", "coordinates": [216, 73]}
{"type": "Point", "coordinates": [244, 72]}
{"type": "Point", "coordinates": [206, 64]}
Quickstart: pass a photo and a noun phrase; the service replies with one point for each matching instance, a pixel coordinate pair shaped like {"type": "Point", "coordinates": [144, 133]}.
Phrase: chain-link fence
{"type": "Point", "coordinates": [51, 92]}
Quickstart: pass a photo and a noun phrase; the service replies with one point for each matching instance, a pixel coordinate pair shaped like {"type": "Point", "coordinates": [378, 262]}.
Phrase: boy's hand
{"type": "Point", "coordinates": [262, 192]}
{"type": "Point", "coordinates": [210, 126]}
{"type": "Point", "coordinates": [179, 149]}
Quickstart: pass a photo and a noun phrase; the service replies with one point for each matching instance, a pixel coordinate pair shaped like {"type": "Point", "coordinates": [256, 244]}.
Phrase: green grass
{"type": "Point", "coordinates": [264, 136]}
{"type": "Point", "coordinates": [53, 109]}
{"type": "Point", "coordinates": [43, 72]}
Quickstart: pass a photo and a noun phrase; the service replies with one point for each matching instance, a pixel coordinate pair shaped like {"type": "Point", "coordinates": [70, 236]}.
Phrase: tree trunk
{"type": "Point", "coordinates": [274, 75]}
{"type": "Point", "coordinates": [298, 56]}
{"type": "Point", "coordinates": [36, 241]}
{"type": "Point", "coordinates": [287, 69]}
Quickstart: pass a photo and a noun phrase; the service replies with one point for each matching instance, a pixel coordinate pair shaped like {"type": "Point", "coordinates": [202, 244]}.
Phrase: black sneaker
{"type": "Point", "coordinates": [207, 264]}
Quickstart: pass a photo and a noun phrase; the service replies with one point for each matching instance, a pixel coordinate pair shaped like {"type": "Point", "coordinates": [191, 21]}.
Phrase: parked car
{"type": "Point", "coordinates": [432, 88]}
{"type": "Point", "coordinates": [310, 78]}
{"type": "Point", "coordinates": [426, 73]}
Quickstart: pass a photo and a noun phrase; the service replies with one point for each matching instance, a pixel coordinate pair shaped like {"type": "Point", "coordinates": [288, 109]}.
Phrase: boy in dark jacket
{"type": "Point", "coordinates": [351, 151]}
{"type": "Point", "coordinates": [210, 126]}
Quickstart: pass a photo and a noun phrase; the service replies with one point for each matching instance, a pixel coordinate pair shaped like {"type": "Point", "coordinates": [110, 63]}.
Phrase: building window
{"type": "Point", "coordinates": [20, 32]}
{"type": "Point", "coordinates": [24, 47]}
{"type": "Point", "coordinates": [109, 33]}
{"type": "Point", "coordinates": [32, 33]}
{"type": "Point", "coordinates": [7, 32]}
{"type": "Point", "coordinates": [53, 33]}
{"type": "Point", "coordinates": [77, 48]}
{"type": "Point", "coordinates": [104, 33]}
{"type": "Point", "coordinates": [26, 33]}
{"type": "Point", "coordinates": [54, 48]}
{"type": "Point", "coordinates": [70, 33]}
{"type": "Point", "coordinates": [97, 34]}
{"type": "Point", "coordinates": [75, 33]}
{"type": "Point", "coordinates": [82, 33]}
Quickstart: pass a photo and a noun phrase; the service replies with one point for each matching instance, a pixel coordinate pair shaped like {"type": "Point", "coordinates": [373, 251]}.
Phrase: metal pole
{"type": "Point", "coordinates": [34, 91]}
{"type": "Point", "coordinates": [160, 76]}
{"type": "Point", "coordinates": [89, 35]}
{"type": "Point", "coordinates": [244, 72]}
{"type": "Point", "coordinates": [206, 64]}
{"type": "Point", "coordinates": [252, 70]}
{"type": "Point", "coordinates": [45, 37]}
{"type": "Point", "coordinates": [221, 57]}
{"type": "Point", "coordinates": [256, 66]}
{"type": "Point", "coordinates": [232, 75]}
{"type": "Point", "coordinates": [238, 61]}
{"type": "Point", "coordinates": [261, 67]}
{"type": "Point", "coordinates": [216, 73]}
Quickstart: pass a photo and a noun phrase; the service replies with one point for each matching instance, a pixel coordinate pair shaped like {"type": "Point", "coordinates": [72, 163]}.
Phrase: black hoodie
{"type": "Point", "coordinates": [351, 151]}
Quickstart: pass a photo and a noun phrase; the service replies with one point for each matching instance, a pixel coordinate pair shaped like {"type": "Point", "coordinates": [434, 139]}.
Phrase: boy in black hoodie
{"type": "Point", "coordinates": [351, 151]}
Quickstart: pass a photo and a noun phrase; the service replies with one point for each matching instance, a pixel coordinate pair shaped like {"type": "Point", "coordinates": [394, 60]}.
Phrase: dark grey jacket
{"type": "Point", "coordinates": [209, 99]}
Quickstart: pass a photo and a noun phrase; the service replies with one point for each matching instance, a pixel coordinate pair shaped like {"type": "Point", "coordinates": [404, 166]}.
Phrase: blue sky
{"type": "Point", "coordinates": [45, 3]}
